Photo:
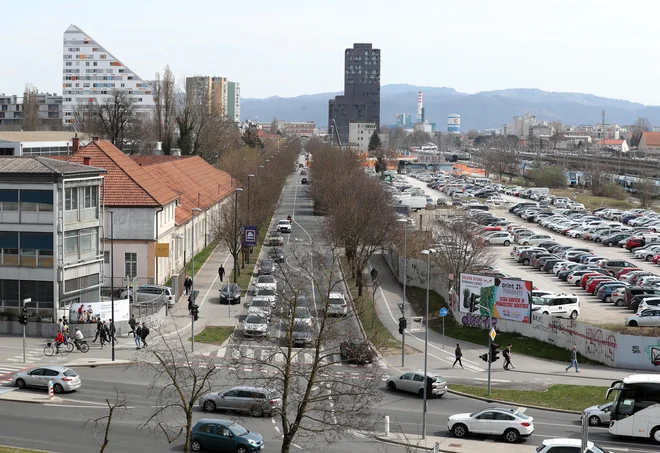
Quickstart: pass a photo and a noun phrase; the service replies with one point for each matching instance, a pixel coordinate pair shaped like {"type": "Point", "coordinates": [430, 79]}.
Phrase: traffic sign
{"type": "Point", "coordinates": [492, 333]}
{"type": "Point", "coordinates": [250, 236]}
{"type": "Point", "coordinates": [444, 312]}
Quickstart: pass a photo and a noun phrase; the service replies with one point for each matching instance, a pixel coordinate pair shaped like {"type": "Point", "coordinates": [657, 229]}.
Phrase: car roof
{"type": "Point", "coordinates": [566, 442]}
{"type": "Point", "coordinates": [215, 420]}
{"type": "Point", "coordinates": [50, 367]}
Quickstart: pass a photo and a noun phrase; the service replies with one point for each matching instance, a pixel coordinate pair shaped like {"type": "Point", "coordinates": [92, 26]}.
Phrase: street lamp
{"type": "Point", "coordinates": [428, 254]}
{"type": "Point", "coordinates": [112, 280]}
{"type": "Point", "coordinates": [247, 215]}
{"type": "Point", "coordinates": [405, 280]}
{"type": "Point", "coordinates": [236, 191]}
{"type": "Point", "coordinates": [192, 288]}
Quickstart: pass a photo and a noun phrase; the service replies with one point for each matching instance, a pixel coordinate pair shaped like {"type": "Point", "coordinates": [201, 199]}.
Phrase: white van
{"type": "Point", "coordinates": [559, 305]}
{"type": "Point", "coordinates": [482, 181]}
{"type": "Point", "coordinates": [415, 203]}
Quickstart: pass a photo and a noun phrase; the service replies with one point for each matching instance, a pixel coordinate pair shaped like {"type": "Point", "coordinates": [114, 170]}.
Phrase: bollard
{"type": "Point", "coordinates": [51, 394]}
{"type": "Point", "coordinates": [436, 447]}
{"type": "Point", "coordinates": [387, 425]}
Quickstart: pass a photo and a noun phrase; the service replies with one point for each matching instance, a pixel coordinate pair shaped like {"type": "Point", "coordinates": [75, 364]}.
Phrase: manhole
{"type": "Point", "coordinates": [455, 445]}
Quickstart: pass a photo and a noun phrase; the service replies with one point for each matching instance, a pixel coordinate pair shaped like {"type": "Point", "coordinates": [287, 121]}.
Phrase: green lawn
{"type": "Point", "coordinates": [521, 344]}
{"type": "Point", "coordinates": [214, 335]}
{"type": "Point", "coordinates": [4, 449]}
{"type": "Point", "coordinates": [567, 397]}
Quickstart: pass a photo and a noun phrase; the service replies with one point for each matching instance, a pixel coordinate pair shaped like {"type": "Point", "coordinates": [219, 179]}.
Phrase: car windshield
{"type": "Point", "coordinates": [541, 300]}
{"type": "Point", "coordinates": [265, 292]}
{"type": "Point", "coordinates": [238, 430]}
{"type": "Point", "coordinates": [597, 449]}
{"type": "Point", "coordinates": [302, 327]}
{"type": "Point", "coordinates": [604, 406]}
{"type": "Point", "coordinates": [266, 279]}
{"type": "Point", "coordinates": [230, 288]}
{"type": "Point", "coordinates": [265, 264]}
{"type": "Point", "coordinates": [260, 303]}
{"type": "Point", "coordinates": [254, 319]}
{"type": "Point", "coordinates": [302, 312]}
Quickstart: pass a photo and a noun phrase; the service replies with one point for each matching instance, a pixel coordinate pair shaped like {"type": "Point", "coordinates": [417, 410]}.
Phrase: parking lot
{"type": "Point", "coordinates": [592, 310]}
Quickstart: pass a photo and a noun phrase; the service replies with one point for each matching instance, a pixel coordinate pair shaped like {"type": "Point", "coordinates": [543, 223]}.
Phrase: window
{"type": "Point", "coordinates": [106, 257]}
{"type": "Point", "coordinates": [71, 199]}
{"type": "Point", "coordinates": [86, 236]}
{"type": "Point", "coordinates": [9, 200]}
{"type": "Point", "coordinates": [206, 429]}
{"type": "Point", "coordinates": [71, 243]}
{"type": "Point", "coordinates": [91, 196]}
{"type": "Point", "coordinates": [130, 265]}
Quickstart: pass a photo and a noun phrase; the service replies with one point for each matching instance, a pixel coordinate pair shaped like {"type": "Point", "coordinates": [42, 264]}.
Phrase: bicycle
{"type": "Point", "coordinates": [84, 347]}
{"type": "Point", "coordinates": [49, 350]}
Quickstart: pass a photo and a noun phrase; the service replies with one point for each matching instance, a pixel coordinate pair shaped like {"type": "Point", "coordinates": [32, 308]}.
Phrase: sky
{"type": "Point", "coordinates": [291, 47]}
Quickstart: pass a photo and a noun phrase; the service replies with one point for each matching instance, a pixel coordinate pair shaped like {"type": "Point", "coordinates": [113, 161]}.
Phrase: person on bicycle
{"type": "Point", "coordinates": [78, 338]}
{"type": "Point", "coordinates": [289, 219]}
{"type": "Point", "coordinates": [58, 341]}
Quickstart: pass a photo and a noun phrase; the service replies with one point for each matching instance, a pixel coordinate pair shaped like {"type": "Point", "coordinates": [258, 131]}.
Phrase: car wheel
{"type": "Point", "coordinates": [241, 449]}
{"type": "Point", "coordinates": [574, 314]}
{"type": "Point", "coordinates": [655, 434]}
{"type": "Point", "coordinates": [648, 258]}
{"type": "Point", "coordinates": [507, 243]}
{"type": "Point", "coordinates": [511, 435]}
{"type": "Point", "coordinates": [391, 386]}
{"type": "Point", "coordinates": [421, 393]}
{"type": "Point", "coordinates": [209, 406]}
{"type": "Point", "coordinates": [607, 299]}
{"type": "Point", "coordinates": [594, 420]}
{"type": "Point", "coordinates": [632, 324]}
{"type": "Point", "coordinates": [525, 243]}
{"type": "Point", "coordinates": [57, 388]}
{"type": "Point", "coordinates": [195, 445]}
{"type": "Point", "coordinates": [526, 262]}
{"type": "Point", "coordinates": [618, 303]}
{"type": "Point", "coordinates": [486, 242]}
{"type": "Point", "coordinates": [256, 412]}
{"type": "Point", "coordinates": [578, 236]}
{"type": "Point", "coordinates": [459, 430]}
{"type": "Point", "coordinates": [610, 244]}
{"type": "Point", "coordinates": [20, 383]}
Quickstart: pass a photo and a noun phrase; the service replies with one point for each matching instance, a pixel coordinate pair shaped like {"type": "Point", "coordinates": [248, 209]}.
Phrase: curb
{"type": "Point", "coordinates": [406, 444]}
{"type": "Point", "coordinates": [95, 365]}
{"type": "Point", "coordinates": [491, 400]}
{"type": "Point", "coordinates": [31, 449]}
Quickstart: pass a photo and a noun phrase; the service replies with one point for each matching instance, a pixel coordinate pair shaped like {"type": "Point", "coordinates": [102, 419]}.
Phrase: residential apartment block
{"type": "Point", "coordinates": [290, 128]}
{"type": "Point", "coordinates": [221, 96]}
{"type": "Point", "coordinates": [91, 72]}
{"type": "Point", "coordinates": [359, 135]}
{"type": "Point", "coordinates": [50, 222]}
{"type": "Point", "coordinates": [234, 101]}
{"type": "Point", "coordinates": [11, 110]}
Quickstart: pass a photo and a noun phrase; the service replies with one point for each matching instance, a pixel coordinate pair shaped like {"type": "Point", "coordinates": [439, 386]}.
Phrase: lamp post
{"type": "Point", "coordinates": [247, 214]}
{"type": "Point", "coordinates": [236, 191]}
{"type": "Point", "coordinates": [405, 280]}
{"type": "Point", "coordinates": [428, 254]}
{"type": "Point", "coordinates": [192, 288]}
{"type": "Point", "coordinates": [490, 342]}
{"type": "Point", "coordinates": [112, 279]}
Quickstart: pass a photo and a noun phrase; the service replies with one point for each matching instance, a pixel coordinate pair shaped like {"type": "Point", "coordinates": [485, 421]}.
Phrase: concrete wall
{"type": "Point", "coordinates": [416, 275]}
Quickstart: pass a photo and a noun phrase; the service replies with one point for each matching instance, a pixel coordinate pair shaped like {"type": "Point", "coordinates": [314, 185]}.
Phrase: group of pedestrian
{"type": "Point", "coordinates": [105, 332]}
{"type": "Point", "coordinates": [508, 365]}
{"type": "Point", "coordinates": [140, 332]}
{"type": "Point", "coordinates": [63, 328]}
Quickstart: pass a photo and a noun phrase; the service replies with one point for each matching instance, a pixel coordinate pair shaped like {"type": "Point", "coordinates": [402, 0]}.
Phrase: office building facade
{"type": "Point", "coordinates": [361, 99]}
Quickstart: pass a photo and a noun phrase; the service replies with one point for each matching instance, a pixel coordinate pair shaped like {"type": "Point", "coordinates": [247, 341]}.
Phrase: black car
{"type": "Point", "coordinates": [357, 351]}
{"type": "Point", "coordinates": [546, 245]}
{"type": "Point", "coordinates": [276, 254]}
{"type": "Point", "coordinates": [549, 264]}
{"type": "Point", "coordinates": [230, 293]}
{"type": "Point", "coordinates": [304, 181]}
{"type": "Point", "coordinates": [266, 267]}
{"type": "Point", "coordinates": [614, 239]}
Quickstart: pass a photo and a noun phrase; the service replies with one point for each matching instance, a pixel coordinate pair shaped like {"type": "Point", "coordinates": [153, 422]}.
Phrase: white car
{"type": "Point", "coordinates": [577, 232]}
{"type": "Point", "coordinates": [267, 294]}
{"type": "Point", "coordinates": [64, 379]}
{"type": "Point", "coordinates": [266, 282]}
{"type": "Point", "coordinates": [337, 305]}
{"type": "Point", "coordinates": [567, 446]}
{"type": "Point", "coordinates": [649, 317]}
{"type": "Point", "coordinates": [255, 325]}
{"type": "Point", "coordinates": [303, 315]}
{"type": "Point", "coordinates": [558, 266]}
{"type": "Point", "coordinates": [260, 306]}
{"type": "Point", "coordinates": [284, 226]}
{"type": "Point", "coordinates": [537, 239]}
{"type": "Point", "coordinates": [512, 424]}
{"type": "Point", "coordinates": [498, 238]}
{"type": "Point", "coordinates": [558, 305]}
{"type": "Point", "coordinates": [413, 382]}
{"type": "Point", "coordinates": [598, 415]}
{"type": "Point", "coordinates": [521, 237]}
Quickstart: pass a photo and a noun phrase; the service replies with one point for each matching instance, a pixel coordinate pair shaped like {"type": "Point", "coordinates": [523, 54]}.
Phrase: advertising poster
{"type": "Point", "coordinates": [92, 312]}
{"type": "Point", "coordinates": [507, 298]}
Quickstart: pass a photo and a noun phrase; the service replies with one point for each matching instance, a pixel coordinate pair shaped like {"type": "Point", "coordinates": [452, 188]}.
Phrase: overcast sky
{"type": "Point", "coordinates": [291, 47]}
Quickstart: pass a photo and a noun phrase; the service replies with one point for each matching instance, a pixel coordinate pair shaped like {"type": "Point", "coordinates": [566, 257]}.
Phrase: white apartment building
{"type": "Point", "coordinates": [35, 143]}
{"type": "Point", "coordinates": [359, 134]}
{"type": "Point", "coordinates": [90, 73]}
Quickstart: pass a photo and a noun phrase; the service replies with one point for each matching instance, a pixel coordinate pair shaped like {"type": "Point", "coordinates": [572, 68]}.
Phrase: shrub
{"type": "Point", "coordinates": [612, 190]}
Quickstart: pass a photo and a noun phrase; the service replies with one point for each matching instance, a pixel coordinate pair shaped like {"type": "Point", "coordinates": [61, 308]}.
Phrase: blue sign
{"type": "Point", "coordinates": [250, 236]}
{"type": "Point", "coordinates": [443, 312]}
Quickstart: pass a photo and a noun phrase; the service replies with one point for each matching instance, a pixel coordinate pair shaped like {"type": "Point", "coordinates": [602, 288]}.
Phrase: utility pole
{"type": "Point", "coordinates": [112, 278]}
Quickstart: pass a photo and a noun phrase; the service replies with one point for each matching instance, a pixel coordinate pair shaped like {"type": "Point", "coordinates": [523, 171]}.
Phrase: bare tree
{"type": "Point", "coordinates": [397, 137]}
{"type": "Point", "coordinates": [119, 404]}
{"type": "Point", "coordinates": [646, 192]}
{"type": "Point", "coordinates": [274, 126]}
{"type": "Point", "coordinates": [30, 108]}
{"type": "Point", "coordinates": [165, 100]}
{"type": "Point", "coordinates": [318, 406]}
{"type": "Point", "coordinates": [640, 126]}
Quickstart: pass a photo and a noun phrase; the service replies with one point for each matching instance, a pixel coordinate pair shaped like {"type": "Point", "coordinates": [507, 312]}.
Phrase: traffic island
{"type": "Point", "coordinates": [28, 396]}
{"type": "Point", "coordinates": [94, 362]}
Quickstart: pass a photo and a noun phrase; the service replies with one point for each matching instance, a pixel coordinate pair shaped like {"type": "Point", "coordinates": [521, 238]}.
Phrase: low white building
{"type": "Point", "coordinates": [36, 143]}
{"type": "Point", "coordinates": [359, 134]}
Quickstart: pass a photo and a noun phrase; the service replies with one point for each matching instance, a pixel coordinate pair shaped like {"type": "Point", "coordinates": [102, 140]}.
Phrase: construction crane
{"type": "Point", "coordinates": [336, 132]}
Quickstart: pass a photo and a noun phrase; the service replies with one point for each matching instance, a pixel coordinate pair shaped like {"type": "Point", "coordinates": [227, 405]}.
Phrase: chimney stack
{"type": "Point", "coordinates": [87, 160]}
{"type": "Point", "coordinates": [75, 144]}
{"type": "Point", "coordinates": [96, 139]}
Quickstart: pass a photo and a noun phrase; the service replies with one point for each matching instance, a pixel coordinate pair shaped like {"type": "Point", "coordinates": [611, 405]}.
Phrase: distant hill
{"type": "Point", "coordinates": [487, 109]}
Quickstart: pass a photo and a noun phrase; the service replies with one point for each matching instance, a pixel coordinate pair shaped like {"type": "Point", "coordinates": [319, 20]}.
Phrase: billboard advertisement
{"type": "Point", "coordinates": [508, 298]}
{"type": "Point", "coordinates": [92, 312]}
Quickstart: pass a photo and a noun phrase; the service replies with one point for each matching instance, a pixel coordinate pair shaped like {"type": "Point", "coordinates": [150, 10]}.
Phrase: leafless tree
{"type": "Point", "coordinates": [30, 108]}
{"type": "Point", "coordinates": [646, 192]}
{"type": "Point", "coordinates": [165, 99]}
{"type": "Point", "coordinates": [104, 422]}
{"type": "Point", "coordinates": [397, 137]}
{"type": "Point", "coordinates": [640, 126]}
{"type": "Point", "coordinates": [318, 406]}
{"type": "Point", "coordinates": [274, 126]}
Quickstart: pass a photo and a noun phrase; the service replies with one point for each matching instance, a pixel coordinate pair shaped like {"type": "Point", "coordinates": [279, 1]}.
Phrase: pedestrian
{"type": "Point", "coordinates": [99, 327]}
{"type": "Point", "coordinates": [65, 330]}
{"type": "Point", "coordinates": [145, 333]}
{"type": "Point", "coordinates": [221, 272]}
{"type": "Point", "coordinates": [105, 333]}
{"type": "Point", "coordinates": [60, 326]}
{"type": "Point", "coordinates": [574, 362]}
{"type": "Point", "coordinates": [138, 335]}
{"type": "Point", "coordinates": [187, 284]}
{"type": "Point", "coordinates": [458, 354]}
{"type": "Point", "coordinates": [113, 330]}
{"type": "Point", "coordinates": [507, 357]}
{"type": "Point", "coordinates": [131, 323]}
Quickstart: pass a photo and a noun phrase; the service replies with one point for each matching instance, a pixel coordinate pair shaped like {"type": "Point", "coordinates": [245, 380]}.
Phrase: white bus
{"type": "Point", "coordinates": [636, 406]}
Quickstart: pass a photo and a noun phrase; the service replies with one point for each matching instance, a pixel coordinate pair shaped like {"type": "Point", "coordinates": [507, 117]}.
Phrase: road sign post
{"type": "Point", "coordinates": [24, 313]}
{"type": "Point", "coordinates": [585, 434]}
{"type": "Point", "coordinates": [443, 314]}
{"type": "Point", "coordinates": [51, 393]}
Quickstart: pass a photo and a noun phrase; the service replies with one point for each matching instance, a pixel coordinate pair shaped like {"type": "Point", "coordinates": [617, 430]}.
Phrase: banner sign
{"type": "Point", "coordinates": [507, 298]}
{"type": "Point", "coordinates": [250, 236]}
{"type": "Point", "coordinates": [95, 311]}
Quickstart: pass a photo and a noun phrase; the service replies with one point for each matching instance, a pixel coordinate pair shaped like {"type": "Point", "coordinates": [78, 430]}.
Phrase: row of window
{"type": "Point", "coordinates": [26, 200]}
{"type": "Point", "coordinates": [85, 197]}
{"type": "Point", "coordinates": [80, 242]}
{"type": "Point", "coordinates": [26, 258]}
{"type": "Point", "coordinates": [14, 291]}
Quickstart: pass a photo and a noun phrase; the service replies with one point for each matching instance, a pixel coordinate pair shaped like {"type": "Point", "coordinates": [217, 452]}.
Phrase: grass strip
{"type": "Point", "coordinates": [200, 259]}
{"type": "Point", "coordinates": [213, 335]}
{"type": "Point", "coordinates": [6, 449]}
{"type": "Point", "coordinates": [566, 397]}
{"type": "Point", "coordinates": [521, 344]}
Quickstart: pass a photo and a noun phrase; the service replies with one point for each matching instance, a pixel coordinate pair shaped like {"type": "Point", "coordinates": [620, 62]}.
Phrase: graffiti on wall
{"type": "Point", "coordinates": [482, 322]}
{"type": "Point", "coordinates": [653, 352]}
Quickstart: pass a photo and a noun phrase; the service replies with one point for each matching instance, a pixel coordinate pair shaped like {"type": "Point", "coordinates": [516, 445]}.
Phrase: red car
{"type": "Point", "coordinates": [591, 286]}
{"type": "Point", "coordinates": [491, 228]}
{"type": "Point", "coordinates": [633, 243]}
{"type": "Point", "coordinates": [656, 258]}
{"type": "Point", "coordinates": [625, 270]}
{"type": "Point", "coordinates": [583, 280]}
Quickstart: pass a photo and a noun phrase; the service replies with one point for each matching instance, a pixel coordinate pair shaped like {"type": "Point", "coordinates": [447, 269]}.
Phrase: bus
{"type": "Point", "coordinates": [636, 407]}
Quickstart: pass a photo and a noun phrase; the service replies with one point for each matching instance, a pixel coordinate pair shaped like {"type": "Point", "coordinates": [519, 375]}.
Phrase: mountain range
{"type": "Point", "coordinates": [483, 110]}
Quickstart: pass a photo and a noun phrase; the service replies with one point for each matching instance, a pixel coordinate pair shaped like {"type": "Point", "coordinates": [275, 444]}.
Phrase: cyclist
{"type": "Point", "coordinates": [289, 219]}
{"type": "Point", "coordinates": [58, 341]}
{"type": "Point", "coordinates": [78, 338]}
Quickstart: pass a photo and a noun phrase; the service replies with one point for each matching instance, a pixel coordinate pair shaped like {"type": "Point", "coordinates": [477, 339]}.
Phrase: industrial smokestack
{"type": "Point", "coordinates": [420, 106]}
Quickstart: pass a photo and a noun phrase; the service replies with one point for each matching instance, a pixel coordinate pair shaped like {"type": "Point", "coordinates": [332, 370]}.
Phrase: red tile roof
{"type": "Point", "coordinates": [651, 138]}
{"type": "Point", "coordinates": [126, 183]}
{"type": "Point", "coordinates": [155, 159]}
{"type": "Point", "coordinates": [610, 142]}
{"type": "Point", "coordinates": [196, 182]}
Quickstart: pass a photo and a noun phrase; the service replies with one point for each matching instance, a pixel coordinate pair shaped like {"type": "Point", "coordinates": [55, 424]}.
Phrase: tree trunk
{"type": "Point", "coordinates": [286, 444]}
{"type": "Point", "coordinates": [359, 280]}
{"type": "Point", "coordinates": [189, 426]}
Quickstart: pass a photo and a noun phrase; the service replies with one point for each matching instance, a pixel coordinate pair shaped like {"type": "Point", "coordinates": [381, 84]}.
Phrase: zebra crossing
{"type": "Point", "coordinates": [7, 372]}
{"type": "Point", "coordinates": [299, 356]}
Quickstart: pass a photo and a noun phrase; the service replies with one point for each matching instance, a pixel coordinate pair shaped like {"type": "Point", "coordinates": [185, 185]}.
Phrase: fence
{"type": "Point", "coordinates": [598, 344]}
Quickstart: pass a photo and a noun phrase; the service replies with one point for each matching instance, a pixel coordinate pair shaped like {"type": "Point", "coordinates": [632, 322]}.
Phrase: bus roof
{"type": "Point", "coordinates": [641, 378]}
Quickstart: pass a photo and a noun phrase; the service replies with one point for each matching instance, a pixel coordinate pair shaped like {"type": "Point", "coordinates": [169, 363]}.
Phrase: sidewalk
{"type": "Point", "coordinates": [454, 445]}
{"type": "Point", "coordinates": [388, 308]}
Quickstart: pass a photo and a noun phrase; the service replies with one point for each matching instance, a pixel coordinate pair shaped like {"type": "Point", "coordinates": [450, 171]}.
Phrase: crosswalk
{"type": "Point", "coordinates": [274, 355]}
{"type": "Point", "coordinates": [7, 371]}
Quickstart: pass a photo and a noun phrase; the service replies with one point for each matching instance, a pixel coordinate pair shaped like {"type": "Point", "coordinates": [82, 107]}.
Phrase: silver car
{"type": "Point", "coordinates": [255, 325]}
{"type": "Point", "coordinates": [150, 293]}
{"type": "Point", "coordinates": [413, 382]}
{"type": "Point", "coordinates": [598, 415]}
{"type": "Point", "coordinates": [266, 282]}
{"type": "Point", "coordinates": [337, 304]}
{"type": "Point", "coordinates": [256, 401]}
{"type": "Point", "coordinates": [260, 306]}
{"type": "Point", "coordinates": [64, 379]}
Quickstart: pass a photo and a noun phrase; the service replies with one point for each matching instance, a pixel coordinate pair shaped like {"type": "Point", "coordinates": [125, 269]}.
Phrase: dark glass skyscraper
{"type": "Point", "coordinates": [361, 99]}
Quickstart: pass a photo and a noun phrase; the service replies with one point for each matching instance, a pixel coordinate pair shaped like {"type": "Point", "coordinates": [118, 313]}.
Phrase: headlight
{"type": "Point", "coordinates": [252, 442]}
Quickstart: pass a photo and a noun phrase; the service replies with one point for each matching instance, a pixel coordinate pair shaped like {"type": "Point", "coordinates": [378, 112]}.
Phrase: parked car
{"type": "Point", "coordinates": [274, 238]}
{"type": "Point", "coordinates": [266, 267]}
{"type": "Point", "coordinates": [559, 305]}
{"type": "Point", "coordinates": [337, 305]}
{"type": "Point", "coordinates": [261, 306]}
{"type": "Point", "coordinates": [498, 238]}
{"type": "Point", "coordinates": [224, 435]}
{"type": "Point", "coordinates": [230, 293]}
{"type": "Point", "coordinates": [567, 446]}
{"type": "Point", "coordinates": [64, 379]}
{"type": "Point", "coordinates": [413, 382]}
{"type": "Point", "coordinates": [276, 254]}
{"type": "Point", "coordinates": [536, 239]}
{"type": "Point", "coordinates": [149, 293]}
{"type": "Point", "coordinates": [512, 424]}
{"type": "Point", "coordinates": [614, 266]}
{"type": "Point", "coordinates": [266, 282]}
{"type": "Point", "coordinates": [647, 318]}
{"type": "Point", "coordinates": [357, 350]}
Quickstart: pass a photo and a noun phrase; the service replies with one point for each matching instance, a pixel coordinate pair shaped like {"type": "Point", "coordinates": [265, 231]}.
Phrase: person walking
{"type": "Point", "coordinates": [221, 272]}
{"type": "Point", "coordinates": [65, 331]}
{"type": "Point", "coordinates": [145, 334]}
{"type": "Point", "coordinates": [99, 326]}
{"type": "Point", "coordinates": [574, 361]}
{"type": "Point", "coordinates": [131, 323]}
{"type": "Point", "coordinates": [138, 335]}
{"type": "Point", "coordinates": [113, 330]}
{"type": "Point", "coordinates": [104, 334]}
{"type": "Point", "coordinates": [458, 354]}
{"type": "Point", "coordinates": [507, 357]}
{"type": "Point", "coordinates": [187, 284]}
{"type": "Point", "coordinates": [190, 304]}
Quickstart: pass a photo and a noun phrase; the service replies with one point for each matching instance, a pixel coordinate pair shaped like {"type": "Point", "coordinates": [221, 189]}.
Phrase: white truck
{"type": "Point", "coordinates": [415, 203]}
